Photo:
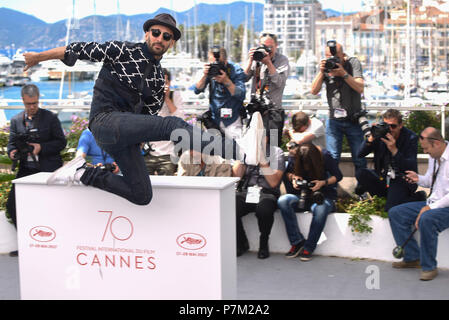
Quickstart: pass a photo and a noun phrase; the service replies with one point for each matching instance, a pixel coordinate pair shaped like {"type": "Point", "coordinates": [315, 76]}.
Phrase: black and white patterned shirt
{"type": "Point", "coordinates": [121, 76]}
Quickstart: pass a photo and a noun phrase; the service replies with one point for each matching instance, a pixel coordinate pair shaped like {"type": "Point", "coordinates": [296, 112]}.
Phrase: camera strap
{"type": "Point", "coordinates": [257, 80]}
{"type": "Point", "coordinates": [264, 82]}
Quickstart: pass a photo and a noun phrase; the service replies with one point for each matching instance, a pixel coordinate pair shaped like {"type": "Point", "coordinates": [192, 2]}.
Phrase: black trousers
{"type": "Point", "coordinates": [397, 193]}
{"type": "Point", "coordinates": [264, 212]}
{"type": "Point", "coordinates": [274, 119]}
{"type": "Point", "coordinates": [11, 202]}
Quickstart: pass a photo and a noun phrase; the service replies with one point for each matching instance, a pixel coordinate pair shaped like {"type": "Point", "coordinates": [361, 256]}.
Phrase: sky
{"type": "Point", "coordinates": [51, 11]}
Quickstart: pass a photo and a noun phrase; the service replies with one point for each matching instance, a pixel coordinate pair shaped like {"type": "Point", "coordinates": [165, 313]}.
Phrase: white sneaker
{"type": "Point", "coordinates": [251, 144]}
{"type": "Point", "coordinates": [68, 174]}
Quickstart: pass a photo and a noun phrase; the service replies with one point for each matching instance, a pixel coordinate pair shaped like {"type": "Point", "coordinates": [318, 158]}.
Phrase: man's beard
{"type": "Point", "coordinates": [159, 51]}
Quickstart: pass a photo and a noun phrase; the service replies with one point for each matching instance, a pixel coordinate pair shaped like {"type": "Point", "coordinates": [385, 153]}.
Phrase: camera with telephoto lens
{"type": "Point", "coordinates": [259, 104]}
{"type": "Point", "coordinates": [217, 65]}
{"type": "Point", "coordinates": [380, 130]}
{"type": "Point", "coordinates": [261, 52]}
{"type": "Point", "coordinates": [331, 63]}
{"type": "Point", "coordinates": [307, 194]}
{"type": "Point", "coordinates": [360, 118]}
{"type": "Point", "coordinates": [21, 142]}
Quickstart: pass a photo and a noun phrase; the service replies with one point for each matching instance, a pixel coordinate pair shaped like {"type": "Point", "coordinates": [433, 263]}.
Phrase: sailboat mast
{"type": "Point", "coordinates": [69, 26]}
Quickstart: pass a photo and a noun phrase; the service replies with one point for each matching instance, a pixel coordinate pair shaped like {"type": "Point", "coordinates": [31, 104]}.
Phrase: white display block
{"type": "Point", "coordinates": [80, 242]}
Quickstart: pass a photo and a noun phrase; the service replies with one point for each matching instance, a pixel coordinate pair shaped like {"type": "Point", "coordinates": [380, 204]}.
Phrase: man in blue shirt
{"type": "Point", "coordinates": [226, 93]}
{"type": "Point", "coordinates": [87, 147]}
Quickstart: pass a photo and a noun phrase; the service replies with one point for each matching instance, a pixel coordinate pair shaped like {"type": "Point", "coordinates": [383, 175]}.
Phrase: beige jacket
{"type": "Point", "coordinates": [216, 166]}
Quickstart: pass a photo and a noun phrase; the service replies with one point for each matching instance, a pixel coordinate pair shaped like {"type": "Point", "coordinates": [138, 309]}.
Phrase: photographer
{"type": "Point", "coordinates": [269, 71]}
{"type": "Point", "coordinates": [87, 147]}
{"type": "Point", "coordinates": [38, 130]}
{"type": "Point", "coordinates": [313, 174]}
{"type": "Point", "coordinates": [258, 191]}
{"type": "Point", "coordinates": [344, 86]}
{"type": "Point", "coordinates": [307, 129]}
{"type": "Point", "coordinates": [226, 81]}
{"type": "Point", "coordinates": [430, 217]}
{"type": "Point", "coordinates": [395, 151]}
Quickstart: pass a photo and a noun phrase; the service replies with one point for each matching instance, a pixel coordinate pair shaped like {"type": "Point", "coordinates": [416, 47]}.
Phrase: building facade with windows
{"type": "Point", "coordinates": [293, 21]}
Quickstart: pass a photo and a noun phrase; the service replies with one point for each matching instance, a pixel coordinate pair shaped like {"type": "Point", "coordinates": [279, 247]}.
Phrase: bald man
{"type": "Point", "coordinates": [344, 87]}
{"type": "Point", "coordinates": [430, 217]}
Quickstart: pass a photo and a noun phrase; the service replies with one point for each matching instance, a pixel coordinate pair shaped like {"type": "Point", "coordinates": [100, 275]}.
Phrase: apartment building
{"type": "Point", "coordinates": [293, 21]}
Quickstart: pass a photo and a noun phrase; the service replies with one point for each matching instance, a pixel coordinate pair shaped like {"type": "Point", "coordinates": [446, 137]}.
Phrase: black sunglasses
{"type": "Point", "coordinates": [156, 33]}
{"type": "Point", "coordinates": [393, 126]}
{"type": "Point", "coordinates": [272, 35]}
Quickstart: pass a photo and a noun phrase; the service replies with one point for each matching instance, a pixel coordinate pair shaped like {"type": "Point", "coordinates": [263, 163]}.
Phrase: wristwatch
{"type": "Point", "coordinates": [346, 76]}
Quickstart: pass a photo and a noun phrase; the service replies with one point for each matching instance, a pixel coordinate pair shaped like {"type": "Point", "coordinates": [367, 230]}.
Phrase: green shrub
{"type": "Point", "coordinates": [361, 212]}
{"type": "Point", "coordinates": [5, 187]}
{"type": "Point", "coordinates": [73, 135]}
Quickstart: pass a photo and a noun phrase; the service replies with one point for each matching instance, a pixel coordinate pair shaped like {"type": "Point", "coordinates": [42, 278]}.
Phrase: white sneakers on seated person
{"type": "Point", "coordinates": [252, 144]}
{"type": "Point", "coordinates": [70, 173]}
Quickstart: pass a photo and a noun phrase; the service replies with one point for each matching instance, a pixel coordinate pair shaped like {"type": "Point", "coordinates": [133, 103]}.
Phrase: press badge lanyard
{"type": "Point", "coordinates": [434, 175]}
{"type": "Point", "coordinates": [257, 78]}
{"type": "Point", "coordinates": [253, 194]}
{"type": "Point", "coordinates": [30, 123]}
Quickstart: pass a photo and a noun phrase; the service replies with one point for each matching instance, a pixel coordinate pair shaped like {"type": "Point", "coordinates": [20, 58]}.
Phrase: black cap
{"type": "Point", "coordinates": [166, 20]}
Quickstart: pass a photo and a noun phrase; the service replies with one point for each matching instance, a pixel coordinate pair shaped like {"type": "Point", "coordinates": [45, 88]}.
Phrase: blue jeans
{"type": "Point", "coordinates": [120, 135]}
{"type": "Point", "coordinates": [334, 139]}
{"type": "Point", "coordinates": [288, 203]}
{"type": "Point", "coordinates": [402, 220]}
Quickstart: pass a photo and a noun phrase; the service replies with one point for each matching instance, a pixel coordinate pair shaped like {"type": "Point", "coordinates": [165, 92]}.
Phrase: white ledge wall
{"type": "Point", "coordinates": [338, 240]}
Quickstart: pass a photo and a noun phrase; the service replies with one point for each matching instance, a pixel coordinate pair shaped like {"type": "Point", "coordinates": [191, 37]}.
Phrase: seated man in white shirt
{"type": "Point", "coordinates": [429, 217]}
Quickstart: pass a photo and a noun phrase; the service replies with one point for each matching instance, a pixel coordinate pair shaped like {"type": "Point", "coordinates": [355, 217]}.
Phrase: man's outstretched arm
{"type": "Point", "coordinates": [33, 58]}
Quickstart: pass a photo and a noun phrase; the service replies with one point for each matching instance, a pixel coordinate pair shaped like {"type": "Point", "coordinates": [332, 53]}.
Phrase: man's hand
{"type": "Point", "coordinates": [267, 59]}
{"type": "Point", "coordinates": [251, 55]}
{"type": "Point", "coordinates": [411, 177]}
{"type": "Point", "coordinates": [31, 59]}
{"type": "Point", "coordinates": [318, 185]}
{"type": "Point", "coordinates": [222, 78]}
{"type": "Point", "coordinates": [37, 148]}
{"type": "Point", "coordinates": [294, 179]}
{"type": "Point", "coordinates": [206, 69]}
{"type": "Point", "coordinates": [390, 142]}
{"type": "Point", "coordinates": [423, 209]}
{"type": "Point", "coordinates": [166, 92]}
{"type": "Point", "coordinates": [12, 154]}
{"type": "Point", "coordinates": [116, 169]}
{"type": "Point", "coordinates": [322, 66]}
{"type": "Point", "coordinates": [339, 72]}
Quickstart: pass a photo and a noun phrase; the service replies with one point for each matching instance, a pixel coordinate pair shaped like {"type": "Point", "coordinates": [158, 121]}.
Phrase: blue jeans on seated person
{"type": "Point", "coordinates": [334, 139]}
{"type": "Point", "coordinates": [288, 205]}
{"type": "Point", "coordinates": [402, 220]}
{"type": "Point", "coordinates": [120, 135]}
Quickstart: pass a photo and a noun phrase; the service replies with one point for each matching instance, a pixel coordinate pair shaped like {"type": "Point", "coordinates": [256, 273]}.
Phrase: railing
{"type": "Point", "coordinates": [198, 106]}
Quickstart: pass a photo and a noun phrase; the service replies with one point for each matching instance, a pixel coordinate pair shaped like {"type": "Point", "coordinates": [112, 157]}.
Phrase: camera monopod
{"type": "Point", "coordinates": [398, 252]}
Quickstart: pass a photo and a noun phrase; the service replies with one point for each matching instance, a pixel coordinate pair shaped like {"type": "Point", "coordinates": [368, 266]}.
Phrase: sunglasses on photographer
{"type": "Point", "coordinates": [156, 33]}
